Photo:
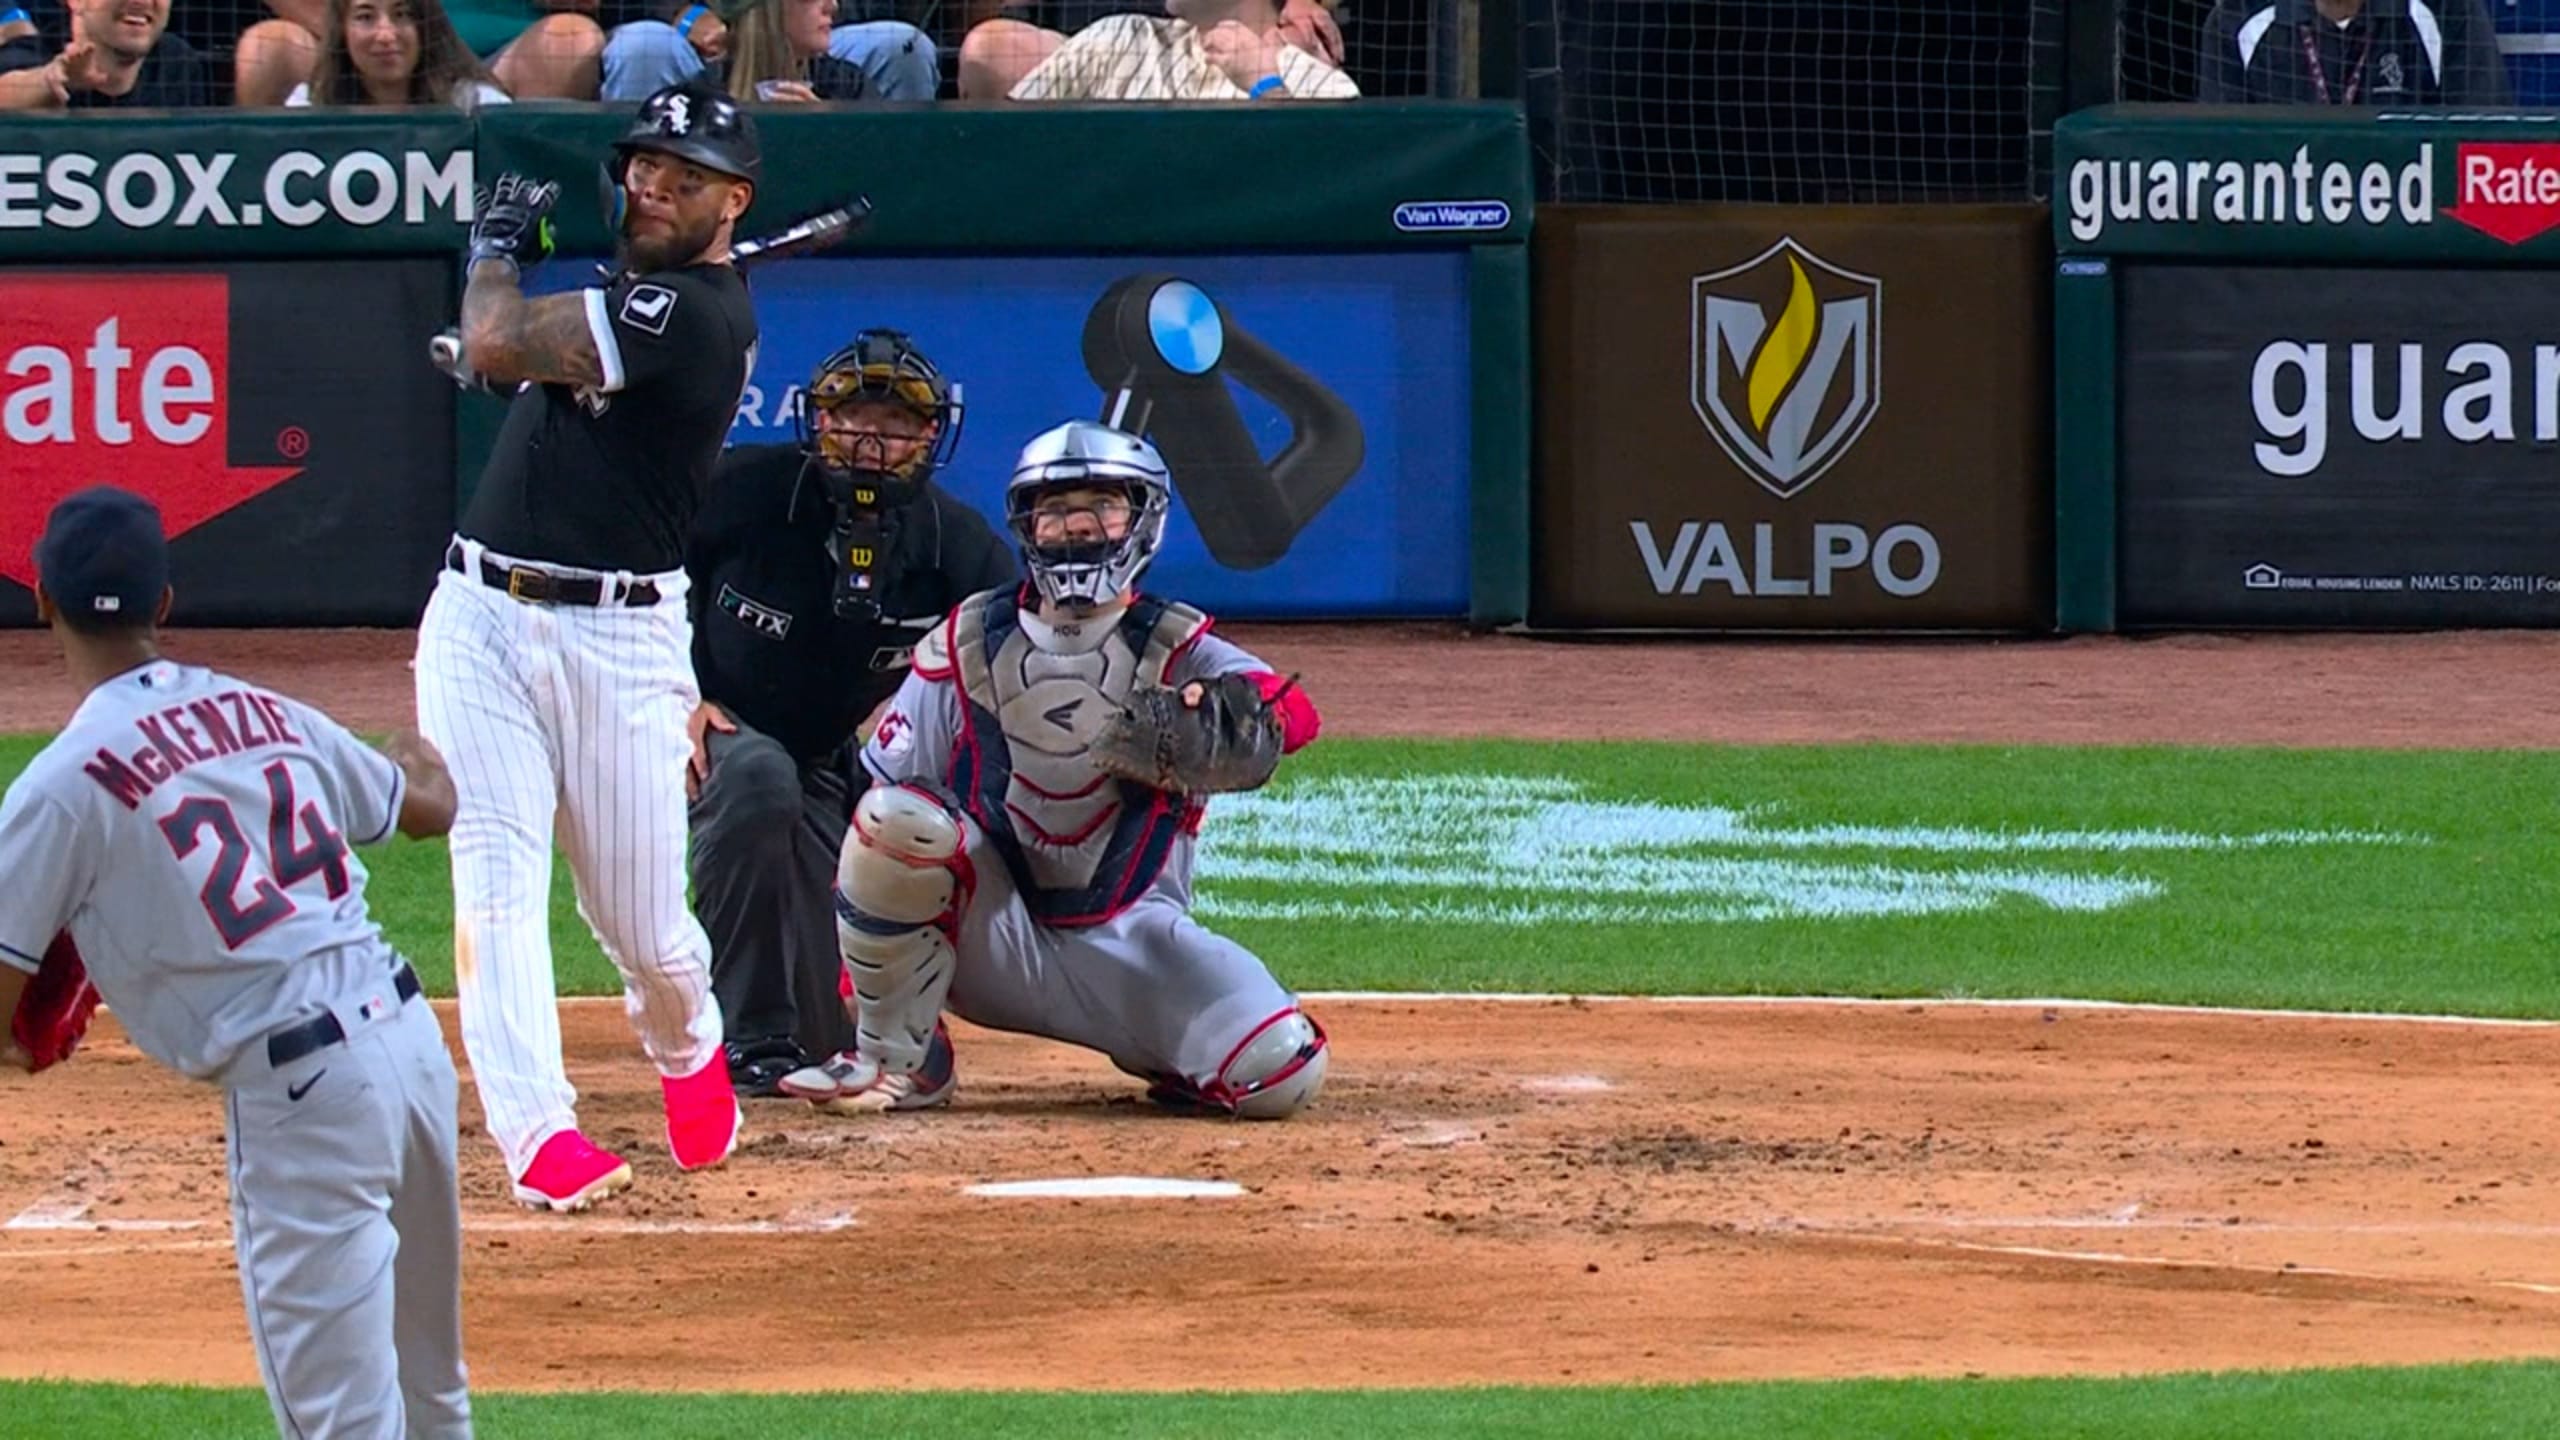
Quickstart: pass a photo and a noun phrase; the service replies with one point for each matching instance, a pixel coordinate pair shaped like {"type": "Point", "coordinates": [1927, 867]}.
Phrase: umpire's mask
{"type": "Point", "coordinates": [876, 421]}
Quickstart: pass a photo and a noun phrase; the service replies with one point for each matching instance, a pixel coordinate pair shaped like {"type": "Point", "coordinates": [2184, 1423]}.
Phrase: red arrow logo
{"type": "Point", "coordinates": [2506, 189]}
{"type": "Point", "coordinates": [121, 379]}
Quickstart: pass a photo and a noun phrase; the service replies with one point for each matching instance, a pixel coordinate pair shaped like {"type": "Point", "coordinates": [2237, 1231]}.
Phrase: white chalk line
{"type": "Point", "coordinates": [19, 1256]}
{"type": "Point", "coordinates": [1869, 1231]}
{"type": "Point", "coordinates": [2200, 1225]}
{"type": "Point", "coordinates": [1926, 1002]}
{"type": "Point", "coordinates": [1929, 1002]}
{"type": "Point", "coordinates": [2171, 1262]}
{"type": "Point", "coordinates": [57, 1224]}
{"type": "Point", "coordinates": [608, 1225]}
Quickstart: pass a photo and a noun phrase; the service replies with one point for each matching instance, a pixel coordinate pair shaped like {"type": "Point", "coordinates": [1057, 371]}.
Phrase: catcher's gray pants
{"type": "Point", "coordinates": [766, 830]}
{"type": "Point", "coordinates": [348, 1225]}
{"type": "Point", "coordinates": [1151, 987]}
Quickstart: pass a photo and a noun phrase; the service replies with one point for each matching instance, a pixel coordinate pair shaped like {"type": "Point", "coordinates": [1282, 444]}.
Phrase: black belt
{"type": "Point", "coordinates": [286, 1046]}
{"type": "Point", "coordinates": [541, 587]}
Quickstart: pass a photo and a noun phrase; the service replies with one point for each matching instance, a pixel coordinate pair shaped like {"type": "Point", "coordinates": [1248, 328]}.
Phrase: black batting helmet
{"type": "Point", "coordinates": [695, 121]}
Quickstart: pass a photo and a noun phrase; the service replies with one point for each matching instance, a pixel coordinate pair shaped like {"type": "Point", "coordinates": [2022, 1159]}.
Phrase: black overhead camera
{"type": "Point", "coordinates": [1163, 351]}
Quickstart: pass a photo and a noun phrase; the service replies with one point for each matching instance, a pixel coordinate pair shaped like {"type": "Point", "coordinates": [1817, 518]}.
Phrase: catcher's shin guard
{"type": "Point", "coordinates": [901, 882]}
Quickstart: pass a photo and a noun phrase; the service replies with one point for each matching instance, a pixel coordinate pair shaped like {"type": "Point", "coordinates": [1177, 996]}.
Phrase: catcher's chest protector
{"type": "Point", "coordinates": [1082, 844]}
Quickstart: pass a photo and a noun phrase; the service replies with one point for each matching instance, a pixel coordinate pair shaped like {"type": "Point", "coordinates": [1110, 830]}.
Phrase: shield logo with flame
{"type": "Point", "coordinates": [1786, 362]}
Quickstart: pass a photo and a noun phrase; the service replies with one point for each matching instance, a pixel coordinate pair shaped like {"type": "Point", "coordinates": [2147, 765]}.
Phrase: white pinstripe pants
{"type": "Point", "coordinates": [569, 718]}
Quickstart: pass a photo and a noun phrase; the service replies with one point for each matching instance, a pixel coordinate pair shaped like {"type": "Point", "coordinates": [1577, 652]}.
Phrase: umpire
{"type": "Point", "coordinates": [815, 568]}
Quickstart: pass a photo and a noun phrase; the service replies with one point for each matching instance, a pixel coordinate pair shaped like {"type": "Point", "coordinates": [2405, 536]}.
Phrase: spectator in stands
{"type": "Point", "coordinates": [528, 55]}
{"type": "Point", "coordinates": [395, 52]}
{"type": "Point", "coordinates": [1199, 50]}
{"type": "Point", "coordinates": [120, 55]}
{"type": "Point", "coordinates": [786, 50]}
{"type": "Point", "coordinates": [2351, 52]}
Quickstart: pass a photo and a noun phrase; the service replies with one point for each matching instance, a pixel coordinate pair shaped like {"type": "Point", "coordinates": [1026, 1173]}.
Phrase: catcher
{"type": "Point", "coordinates": [1024, 852]}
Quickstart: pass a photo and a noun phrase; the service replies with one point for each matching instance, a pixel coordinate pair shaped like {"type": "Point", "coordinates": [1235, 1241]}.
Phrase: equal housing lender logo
{"type": "Point", "coordinates": [1539, 850]}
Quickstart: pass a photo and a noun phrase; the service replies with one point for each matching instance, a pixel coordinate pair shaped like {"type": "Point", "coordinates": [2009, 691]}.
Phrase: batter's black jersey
{"type": "Point", "coordinates": [768, 646]}
{"type": "Point", "coordinates": [609, 478]}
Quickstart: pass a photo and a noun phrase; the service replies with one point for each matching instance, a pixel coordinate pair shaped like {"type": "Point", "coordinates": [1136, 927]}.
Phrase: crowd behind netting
{"type": "Point", "coordinates": [161, 54]}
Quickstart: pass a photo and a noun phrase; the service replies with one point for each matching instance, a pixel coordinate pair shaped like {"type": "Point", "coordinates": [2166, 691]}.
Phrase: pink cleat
{"type": "Point", "coordinates": [568, 1173]}
{"type": "Point", "coordinates": [702, 1115]}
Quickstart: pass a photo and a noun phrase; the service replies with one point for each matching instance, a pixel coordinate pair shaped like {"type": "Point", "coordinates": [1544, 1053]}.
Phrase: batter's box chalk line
{"type": "Point", "coordinates": [55, 1220]}
{"type": "Point", "coordinates": [1109, 1187]}
{"type": "Point", "coordinates": [1394, 999]}
{"type": "Point", "coordinates": [2168, 1262]}
{"type": "Point", "coordinates": [67, 1207]}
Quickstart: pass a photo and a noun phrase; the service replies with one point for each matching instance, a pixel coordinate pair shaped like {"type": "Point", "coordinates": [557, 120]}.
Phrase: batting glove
{"type": "Point", "coordinates": [514, 222]}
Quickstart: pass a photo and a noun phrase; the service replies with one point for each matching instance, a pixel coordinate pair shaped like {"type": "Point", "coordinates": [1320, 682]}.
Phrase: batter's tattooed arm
{"type": "Point", "coordinates": [510, 338]}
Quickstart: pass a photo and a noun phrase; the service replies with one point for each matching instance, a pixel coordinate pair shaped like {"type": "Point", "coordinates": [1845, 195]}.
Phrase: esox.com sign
{"type": "Point", "coordinates": [179, 187]}
{"type": "Point", "coordinates": [297, 189]}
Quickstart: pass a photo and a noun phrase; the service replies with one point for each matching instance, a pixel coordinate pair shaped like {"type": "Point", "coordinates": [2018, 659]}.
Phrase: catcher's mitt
{"type": "Point", "coordinates": [1229, 740]}
{"type": "Point", "coordinates": [54, 1010]}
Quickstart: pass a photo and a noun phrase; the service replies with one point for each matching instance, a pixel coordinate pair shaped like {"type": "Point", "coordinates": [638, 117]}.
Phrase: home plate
{"type": "Point", "coordinates": [1112, 1187]}
{"type": "Point", "coordinates": [1567, 1084]}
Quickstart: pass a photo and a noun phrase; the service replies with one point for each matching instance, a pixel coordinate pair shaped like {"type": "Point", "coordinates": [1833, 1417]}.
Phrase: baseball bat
{"type": "Point", "coordinates": [802, 237]}
{"type": "Point", "coordinates": [806, 236]}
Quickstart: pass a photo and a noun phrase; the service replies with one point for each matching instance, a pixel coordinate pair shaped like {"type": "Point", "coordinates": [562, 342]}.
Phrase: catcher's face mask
{"type": "Point", "coordinates": [1088, 505]}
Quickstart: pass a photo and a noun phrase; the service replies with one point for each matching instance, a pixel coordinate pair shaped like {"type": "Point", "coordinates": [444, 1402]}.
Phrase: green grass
{"type": "Point", "coordinates": [2476, 1402]}
{"type": "Point", "coordinates": [2463, 918]}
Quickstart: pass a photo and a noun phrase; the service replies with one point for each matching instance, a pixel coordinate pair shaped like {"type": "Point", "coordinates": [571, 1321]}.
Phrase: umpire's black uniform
{"type": "Point", "coordinates": [2389, 53]}
{"type": "Point", "coordinates": [770, 649]}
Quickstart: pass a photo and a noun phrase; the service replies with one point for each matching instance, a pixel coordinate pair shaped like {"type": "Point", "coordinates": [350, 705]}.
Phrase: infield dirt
{"type": "Point", "coordinates": [1531, 1192]}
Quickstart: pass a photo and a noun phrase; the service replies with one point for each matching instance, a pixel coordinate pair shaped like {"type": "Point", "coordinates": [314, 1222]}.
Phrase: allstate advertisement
{"type": "Point", "coordinates": [1313, 408]}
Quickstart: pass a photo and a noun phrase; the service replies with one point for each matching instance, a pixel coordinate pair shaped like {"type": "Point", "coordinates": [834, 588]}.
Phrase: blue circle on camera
{"type": "Point", "coordinates": [1183, 322]}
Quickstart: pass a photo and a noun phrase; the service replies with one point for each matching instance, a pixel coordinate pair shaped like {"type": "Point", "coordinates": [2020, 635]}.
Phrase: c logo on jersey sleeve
{"type": "Point", "coordinates": [896, 735]}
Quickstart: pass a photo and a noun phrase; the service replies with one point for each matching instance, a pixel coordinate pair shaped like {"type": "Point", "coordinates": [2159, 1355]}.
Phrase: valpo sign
{"type": "Point", "coordinates": [1793, 418]}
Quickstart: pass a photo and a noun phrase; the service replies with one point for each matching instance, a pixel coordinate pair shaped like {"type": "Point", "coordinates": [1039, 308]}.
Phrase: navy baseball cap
{"type": "Point", "coordinates": [104, 554]}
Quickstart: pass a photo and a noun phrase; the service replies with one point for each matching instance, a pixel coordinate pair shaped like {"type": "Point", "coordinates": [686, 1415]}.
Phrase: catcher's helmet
{"type": "Point", "coordinates": [882, 365]}
{"type": "Point", "coordinates": [698, 122]}
{"type": "Point", "coordinates": [1084, 453]}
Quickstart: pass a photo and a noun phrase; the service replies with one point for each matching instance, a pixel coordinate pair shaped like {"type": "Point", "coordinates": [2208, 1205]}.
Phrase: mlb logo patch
{"type": "Point", "coordinates": [646, 307]}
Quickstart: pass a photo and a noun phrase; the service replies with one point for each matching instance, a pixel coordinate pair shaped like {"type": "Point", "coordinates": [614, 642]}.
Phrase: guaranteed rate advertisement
{"type": "Point", "coordinates": [282, 416]}
{"type": "Point", "coordinates": [1313, 409]}
{"type": "Point", "coordinates": [2339, 447]}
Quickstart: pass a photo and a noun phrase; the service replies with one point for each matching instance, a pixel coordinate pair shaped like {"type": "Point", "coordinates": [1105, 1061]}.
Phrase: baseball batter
{"type": "Point", "coordinates": [554, 662]}
{"type": "Point", "coordinates": [191, 831]}
{"type": "Point", "coordinates": [1001, 865]}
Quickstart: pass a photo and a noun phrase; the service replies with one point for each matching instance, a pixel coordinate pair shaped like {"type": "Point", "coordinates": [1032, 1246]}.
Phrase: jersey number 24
{"type": "Point", "coordinates": [289, 860]}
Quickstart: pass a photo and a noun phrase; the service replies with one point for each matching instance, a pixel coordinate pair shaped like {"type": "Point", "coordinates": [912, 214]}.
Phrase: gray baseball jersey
{"type": "Point", "coordinates": [1143, 983]}
{"type": "Point", "coordinates": [192, 832]}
